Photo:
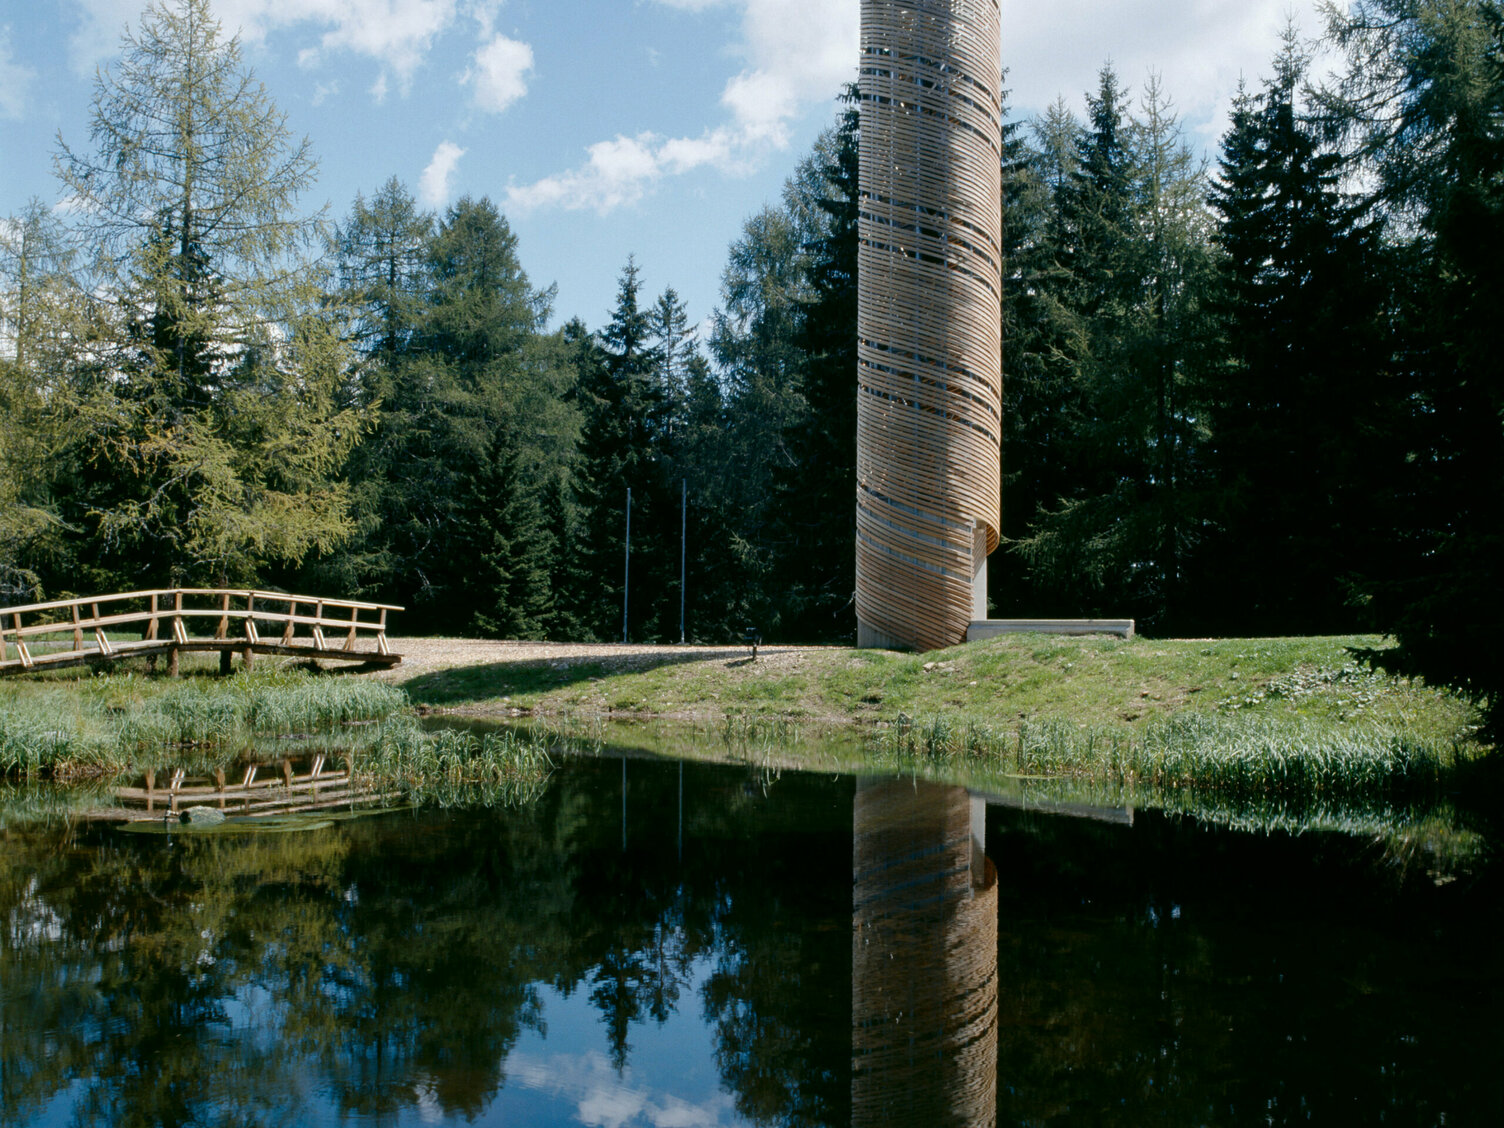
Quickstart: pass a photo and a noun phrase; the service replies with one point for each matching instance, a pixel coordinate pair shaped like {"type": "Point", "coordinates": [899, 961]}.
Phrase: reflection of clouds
{"type": "Point", "coordinates": [603, 1099]}
{"type": "Point", "coordinates": [33, 921]}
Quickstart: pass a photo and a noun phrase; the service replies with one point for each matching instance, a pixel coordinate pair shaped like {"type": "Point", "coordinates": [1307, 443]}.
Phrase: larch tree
{"type": "Point", "coordinates": [215, 430]}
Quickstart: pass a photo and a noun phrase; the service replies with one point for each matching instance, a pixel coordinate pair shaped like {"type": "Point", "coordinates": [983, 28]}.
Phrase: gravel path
{"type": "Point", "coordinates": [425, 655]}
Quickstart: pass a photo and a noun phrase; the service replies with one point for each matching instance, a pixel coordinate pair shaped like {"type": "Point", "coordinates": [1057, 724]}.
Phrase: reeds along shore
{"type": "Point", "coordinates": [101, 725]}
{"type": "Point", "coordinates": [1239, 754]}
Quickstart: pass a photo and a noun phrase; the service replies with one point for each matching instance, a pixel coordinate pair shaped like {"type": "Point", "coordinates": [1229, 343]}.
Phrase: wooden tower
{"type": "Point", "coordinates": [929, 287]}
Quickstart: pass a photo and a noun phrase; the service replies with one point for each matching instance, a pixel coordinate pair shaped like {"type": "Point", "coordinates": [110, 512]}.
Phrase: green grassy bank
{"type": "Point", "coordinates": [1002, 683]}
{"type": "Point", "coordinates": [1297, 719]}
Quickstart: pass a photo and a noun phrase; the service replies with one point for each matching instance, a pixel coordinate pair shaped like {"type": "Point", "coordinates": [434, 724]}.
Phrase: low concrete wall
{"type": "Point", "coordinates": [986, 628]}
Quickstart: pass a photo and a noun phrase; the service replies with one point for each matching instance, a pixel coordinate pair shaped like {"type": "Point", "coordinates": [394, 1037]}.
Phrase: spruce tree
{"type": "Point", "coordinates": [1131, 258]}
{"type": "Point", "coordinates": [1291, 404]}
{"type": "Point", "coordinates": [1421, 105]}
{"type": "Point", "coordinates": [815, 489]}
{"type": "Point", "coordinates": [623, 411]}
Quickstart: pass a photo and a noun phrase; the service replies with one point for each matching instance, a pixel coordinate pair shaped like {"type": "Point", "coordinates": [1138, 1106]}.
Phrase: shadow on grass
{"type": "Point", "coordinates": [461, 685]}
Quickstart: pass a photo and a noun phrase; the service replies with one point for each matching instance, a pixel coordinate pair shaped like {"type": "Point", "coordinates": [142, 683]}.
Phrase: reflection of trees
{"type": "Point", "coordinates": [779, 995]}
{"type": "Point", "coordinates": [397, 959]}
{"type": "Point", "coordinates": [1174, 974]}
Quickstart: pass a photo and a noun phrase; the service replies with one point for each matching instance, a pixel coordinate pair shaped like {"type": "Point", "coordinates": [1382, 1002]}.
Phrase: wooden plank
{"type": "Point", "coordinates": [63, 604]}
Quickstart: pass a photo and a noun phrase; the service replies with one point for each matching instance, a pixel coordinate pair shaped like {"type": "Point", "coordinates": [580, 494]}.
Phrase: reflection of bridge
{"type": "Point", "coordinates": [100, 628]}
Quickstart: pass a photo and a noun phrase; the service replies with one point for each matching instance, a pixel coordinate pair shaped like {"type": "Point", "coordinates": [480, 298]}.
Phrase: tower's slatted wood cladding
{"type": "Point", "coordinates": [924, 971]}
{"type": "Point", "coordinates": [929, 365]}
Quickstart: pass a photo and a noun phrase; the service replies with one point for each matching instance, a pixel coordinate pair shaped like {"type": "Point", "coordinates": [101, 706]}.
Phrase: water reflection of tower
{"type": "Point", "coordinates": [924, 958]}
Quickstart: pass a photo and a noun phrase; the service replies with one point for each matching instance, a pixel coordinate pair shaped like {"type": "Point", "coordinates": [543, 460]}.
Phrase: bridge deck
{"type": "Point", "coordinates": [86, 631]}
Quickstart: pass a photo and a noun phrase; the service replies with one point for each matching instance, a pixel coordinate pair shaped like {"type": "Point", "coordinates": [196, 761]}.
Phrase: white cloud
{"type": "Point", "coordinates": [615, 173]}
{"type": "Point", "coordinates": [499, 73]}
{"type": "Point", "coordinates": [15, 79]}
{"type": "Point", "coordinates": [604, 1099]}
{"type": "Point", "coordinates": [397, 34]}
{"type": "Point", "coordinates": [619, 172]}
{"type": "Point", "coordinates": [1200, 48]}
{"type": "Point", "coordinates": [795, 53]}
{"type": "Point", "coordinates": [434, 185]}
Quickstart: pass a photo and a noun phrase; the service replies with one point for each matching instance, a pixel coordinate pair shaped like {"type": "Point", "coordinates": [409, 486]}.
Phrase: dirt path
{"type": "Point", "coordinates": [426, 655]}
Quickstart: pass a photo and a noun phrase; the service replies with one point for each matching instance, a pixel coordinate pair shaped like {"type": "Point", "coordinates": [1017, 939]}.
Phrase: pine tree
{"type": "Point", "coordinates": [508, 547]}
{"type": "Point", "coordinates": [475, 501]}
{"type": "Point", "coordinates": [1043, 402]}
{"type": "Point", "coordinates": [1076, 553]}
{"type": "Point", "coordinates": [382, 251]}
{"type": "Point", "coordinates": [40, 328]}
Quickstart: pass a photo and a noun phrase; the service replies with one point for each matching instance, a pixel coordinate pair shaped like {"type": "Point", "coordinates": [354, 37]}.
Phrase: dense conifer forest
{"type": "Point", "coordinates": [1256, 394]}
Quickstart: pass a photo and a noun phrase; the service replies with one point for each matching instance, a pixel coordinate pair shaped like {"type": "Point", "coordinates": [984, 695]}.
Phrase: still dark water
{"type": "Point", "coordinates": [651, 944]}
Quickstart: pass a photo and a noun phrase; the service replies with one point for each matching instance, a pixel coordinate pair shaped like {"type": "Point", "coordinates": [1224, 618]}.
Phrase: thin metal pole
{"type": "Point", "coordinates": [626, 581]}
{"type": "Point", "coordinates": [683, 543]}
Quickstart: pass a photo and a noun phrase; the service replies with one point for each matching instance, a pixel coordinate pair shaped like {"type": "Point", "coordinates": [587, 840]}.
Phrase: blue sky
{"type": "Point", "coordinates": [602, 128]}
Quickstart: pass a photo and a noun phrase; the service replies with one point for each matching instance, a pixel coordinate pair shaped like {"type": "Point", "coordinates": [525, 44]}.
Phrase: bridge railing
{"type": "Point", "coordinates": [88, 629]}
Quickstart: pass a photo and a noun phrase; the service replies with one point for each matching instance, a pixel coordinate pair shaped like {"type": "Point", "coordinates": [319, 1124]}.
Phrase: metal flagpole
{"type": "Point", "coordinates": [683, 542]}
{"type": "Point", "coordinates": [626, 580]}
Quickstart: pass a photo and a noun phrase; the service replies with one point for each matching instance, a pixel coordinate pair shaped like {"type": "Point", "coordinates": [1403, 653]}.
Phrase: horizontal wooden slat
{"type": "Point", "coordinates": [233, 593]}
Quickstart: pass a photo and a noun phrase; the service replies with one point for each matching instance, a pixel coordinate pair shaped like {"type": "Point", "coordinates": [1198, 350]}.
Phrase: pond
{"type": "Point", "coordinates": [678, 944]}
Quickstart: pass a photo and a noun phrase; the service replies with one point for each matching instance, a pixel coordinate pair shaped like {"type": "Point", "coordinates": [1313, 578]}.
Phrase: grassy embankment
{"type": "Point", "coordinates": [1287, 717]}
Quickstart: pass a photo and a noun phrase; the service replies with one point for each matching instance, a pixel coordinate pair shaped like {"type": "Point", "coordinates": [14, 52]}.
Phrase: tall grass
{"type": "Point", "coordinates": [111, 723]}
{"type": "Point", "coordinates": [207, 712]}
{"type": "Point", "coordinates": [452, 767]}
{"type": "Point", "coordinates": [1234, 755]}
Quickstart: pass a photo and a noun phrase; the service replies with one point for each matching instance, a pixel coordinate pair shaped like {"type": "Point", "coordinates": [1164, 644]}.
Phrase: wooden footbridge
{"type": "Point", "coordinates": [169, 621]}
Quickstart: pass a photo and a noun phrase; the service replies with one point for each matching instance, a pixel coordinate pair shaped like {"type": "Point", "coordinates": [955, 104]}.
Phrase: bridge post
{"type": "Point", "coordinates": [248, 656]}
